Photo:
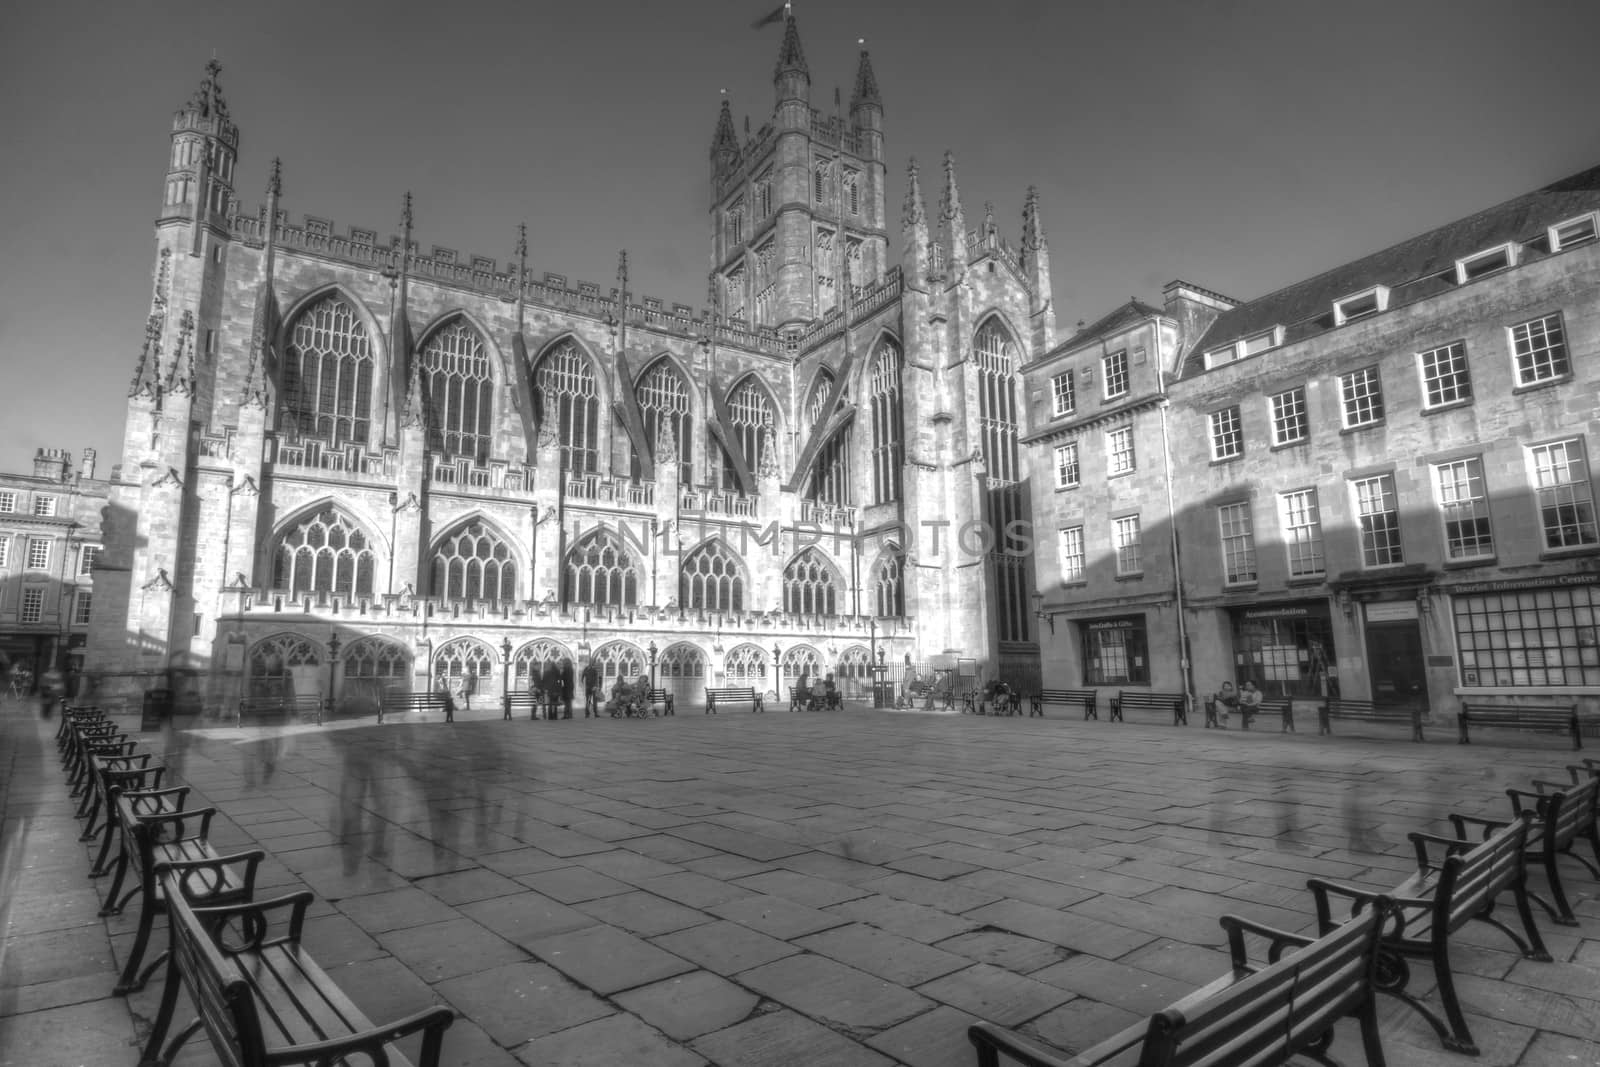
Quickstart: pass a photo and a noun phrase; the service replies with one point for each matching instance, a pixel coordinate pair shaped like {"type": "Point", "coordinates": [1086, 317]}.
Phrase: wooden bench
{"type": "Point", "coordinates": [263, 1000]}
{"type": "Point", "coordinates": [1562, 813]}
{"type": "Point", "coordinates": [158, 831]}
{"type": "Point", "coordinates": [1269, 706]}
{"type": "Point", "coordinates": [1257, 1014]}
{"type": "Point", "coordinates": [1144, 700]}
{"type": "Point", "coordinates": [661, 698]}
{"type": "Point", "coordinates": [737, 692]}
{"type": "Point", "coordinates": [282, 708]}
{"type": "Point", "coordinates": [533, 700]}
{"type": "Point", "coordinates": [1088, 698]}
{"type": "Point", "coordinates": [75, 714]}
{"type": "Point", "coordinates": [1366, 711]}
{"type": "Point", "coordinates": [402, 703]}
{"type": "Point", "coordinates": [1521, 717]}
{"type": "Point", "coordinates": [1437, 901]}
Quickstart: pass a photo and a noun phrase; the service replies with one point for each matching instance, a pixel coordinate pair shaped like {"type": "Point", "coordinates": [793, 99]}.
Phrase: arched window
{"type": "Point", "coordinates": [829, 481]}
{"type": "Point", "coordinates": [473, 563]}
{"type": "Point", "coordinates": [463, 665]}
{"type": "Point", "coordinates": [745, 665]}
{"type": "Point", "coordinates": [853, 676]}
{"type": "Point", "coordinates": [996, 356]}
{"type": "Point", "coordinates": [600, 571]}
{"type": "Point", "coordinates": [801, 659]}
{"type": "Point", "coordinates": [325, 382]}
{"type": "Point", "coordinates": [565, 390]}
{"type": "Point", "coordinates": [750, 409]}
{"type": "Point", "coordinates": [458, 391]}
{"type": "Point", "coordinates": [711, 579]}
{"type": "Point", "coordinates": [619, 659]}
{"type": "Point", "coordinates": [888, 455]}
{"type": "Point", "coordinates": [808, 585]}
{"type": "Point", "coordinates": [888, 580]}
{"type": "Point", "coordinates": [530, 661]}
{"type": "Point", "coordinates": [664, 401]}
{"type": "Point", "coordinates": [279, 666]}
{"type": "Point", "coordinates": [376, 658]}
{"type": "Point", "coordinates": [682, 660]}
{"type": "Point", "coordinates": [324, 553]}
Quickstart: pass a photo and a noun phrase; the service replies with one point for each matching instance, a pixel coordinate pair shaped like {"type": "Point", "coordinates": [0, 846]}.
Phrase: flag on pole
{"type": "Point", "coordinates": [776, 15]}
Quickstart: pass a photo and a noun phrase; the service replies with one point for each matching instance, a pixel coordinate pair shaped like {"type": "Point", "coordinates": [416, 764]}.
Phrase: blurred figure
{"type": "Point", "coordinates": [361, 797]}
{"type": "Point", "coordinates": [566, 688]}
{"type": "Point", "coordinates": [591, 690]}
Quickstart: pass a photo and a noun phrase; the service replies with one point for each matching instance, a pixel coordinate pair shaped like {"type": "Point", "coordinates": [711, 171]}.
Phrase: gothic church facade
{"type": "Point", "coordinates": [350, 464]}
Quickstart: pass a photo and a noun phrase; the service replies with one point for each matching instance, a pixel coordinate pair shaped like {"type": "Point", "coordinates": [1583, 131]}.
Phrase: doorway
{"type": "Point", "coordinates": [1394, 658]}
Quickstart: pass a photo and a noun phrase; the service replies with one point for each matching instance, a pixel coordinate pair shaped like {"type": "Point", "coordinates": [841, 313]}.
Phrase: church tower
{"type": "Point", "coordinates": [786, 201]}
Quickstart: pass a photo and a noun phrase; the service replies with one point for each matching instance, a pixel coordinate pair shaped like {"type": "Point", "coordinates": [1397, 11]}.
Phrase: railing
{"type": "Point", "coordinates": [311, 454]}
{"type": "Point", "coordinates": [610, 491]}
{"type": "Point", "coordinates": [711, 502]}
{"type": "Point", "coordinates": [827, 514]}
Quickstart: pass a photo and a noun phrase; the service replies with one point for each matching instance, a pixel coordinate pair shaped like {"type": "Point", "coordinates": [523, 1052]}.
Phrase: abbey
{"type": "Point", "coordinates": [353, 464]}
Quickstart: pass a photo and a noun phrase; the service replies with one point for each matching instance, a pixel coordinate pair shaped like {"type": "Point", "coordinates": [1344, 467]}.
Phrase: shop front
{"type": "Point", "coordinates": [1528, 634]}
{"type": "Point", "coordinates": [1286, 649]}
{"type": "Point", "coordinates": [1116, 651]}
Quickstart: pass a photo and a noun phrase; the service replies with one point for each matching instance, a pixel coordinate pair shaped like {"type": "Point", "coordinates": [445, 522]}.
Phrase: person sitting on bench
{"type": "Point", "coordinates": [802, 692]}
{"type": "Point", "coordinates": [830, 693]}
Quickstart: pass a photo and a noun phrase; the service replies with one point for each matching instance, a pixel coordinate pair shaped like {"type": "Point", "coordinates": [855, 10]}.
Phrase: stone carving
{"type": "Point", "coordinates": [410, 503]}
{"type": "Point", "coordinates": [170, 480]}
{"type": "Point", "coordinates": [247, 487]}
{"type": "Point", "coordinates": [666, 446]}
{"type": "Point", "coordinates": [159, 584]}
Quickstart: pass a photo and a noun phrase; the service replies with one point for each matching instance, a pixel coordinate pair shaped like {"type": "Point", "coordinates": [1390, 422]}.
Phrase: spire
{"type": "Point", "coordinates": [866, 92]}
{"type": "Point", "coordinates": [953, 221]}
{"type": "Point", "coordinates": [915, 214]}
{"type": "Point", "coordinates": [791, 59]}
{"type": "Point", "coordinates": [522, 269]}
{"type": "Point", "coordinates": [401, 366]}
{"type": "Point", "coordinates": [207, 101]}
{"type": "Point", "coordinates": [724, 140]}
{"type": "Point", "coordinates": [1032, 228]}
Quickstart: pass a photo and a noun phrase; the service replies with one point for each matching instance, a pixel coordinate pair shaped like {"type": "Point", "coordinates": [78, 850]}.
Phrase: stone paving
{"type": "Point", "coordinates": [781, 889]}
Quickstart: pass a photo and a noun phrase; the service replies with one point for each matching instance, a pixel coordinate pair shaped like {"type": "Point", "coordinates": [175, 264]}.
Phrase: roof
{"type": "Point", "coordinates": [1133, 312]}
{"type": "Point", "coordinates": [1415, 269]}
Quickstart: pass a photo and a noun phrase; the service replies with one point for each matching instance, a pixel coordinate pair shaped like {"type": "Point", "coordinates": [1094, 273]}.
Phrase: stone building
{"type": "Point", "coordinates": [49, 545]}
{"type": "Point", "coordinates": [1379, 477]}
{"type": "Point", "coordinates": [352, 463]}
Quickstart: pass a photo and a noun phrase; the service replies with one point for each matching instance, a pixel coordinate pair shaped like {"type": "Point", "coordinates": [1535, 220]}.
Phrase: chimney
{"type": "Point", "coordinates": [86, 468]}
{"type": "Point", "coordinates": [51, 464]}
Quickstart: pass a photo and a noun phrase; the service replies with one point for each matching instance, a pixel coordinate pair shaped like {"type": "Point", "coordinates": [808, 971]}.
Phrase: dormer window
{"type": "Point", "coordinates": [1476, 266]}
{"type": "Point", "coordinates": [1245, 347]}
{"type": "Point", "coordinates": [1359, 305]}
{"type": "Point", "coordinates": [1564, 235]}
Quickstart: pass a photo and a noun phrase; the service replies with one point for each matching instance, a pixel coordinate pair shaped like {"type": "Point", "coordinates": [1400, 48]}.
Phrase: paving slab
{"type": "Point", "coordinates": [688, 1005]}
{"type": "Point", "coordinates": [607, 960]}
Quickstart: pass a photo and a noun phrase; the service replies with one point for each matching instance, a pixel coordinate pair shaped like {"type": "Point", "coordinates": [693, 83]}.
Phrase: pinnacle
{"type": "Point", "coordinates": [724, 137]}
{"type": "Point", "coordinates": [914, 214]}
{"type": "Point", "coordinates": [866, 91]}
{"type": "Point", "coordinates": [790, 56]}
{"type": "Point", "coordinates": [207, 99]}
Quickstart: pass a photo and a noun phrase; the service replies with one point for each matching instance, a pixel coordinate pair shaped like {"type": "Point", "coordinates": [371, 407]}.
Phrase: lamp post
{"type": "Point", "coordinates": [63, 600]}
{"type": "Point", "coordinates": [333, 665]}
{"type": "Point", "coordinates": [1041, 614]}
{"type": "Point", "coordinates": [777, 678]}
{"type": "Point", "coordinates": [505, 665]}
{"type": "Point", "coordinates": [652, 651]}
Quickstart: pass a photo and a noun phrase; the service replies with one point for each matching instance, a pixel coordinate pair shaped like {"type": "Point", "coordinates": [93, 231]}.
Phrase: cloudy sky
{"type": "Point", "coordinates": [1240, 146]}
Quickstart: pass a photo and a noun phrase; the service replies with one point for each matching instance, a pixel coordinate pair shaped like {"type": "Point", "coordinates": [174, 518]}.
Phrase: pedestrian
{"type": "Point", "coordinates": [591, 690]}
{"type": "Point", "coordinates": [1249, 702]}
{"type": "Point", "coordinates": [566, 688]}
{"type": "Point", "coordinates": [1222, 703]}
{"type": "Point", "coordinates": [802, 692]}
{"type": "Point", "coordinates": [52, 685]}
{"type": "Point", "coordinates": [550, 689]}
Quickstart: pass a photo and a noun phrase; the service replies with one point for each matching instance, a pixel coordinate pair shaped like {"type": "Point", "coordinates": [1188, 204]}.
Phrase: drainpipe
{"type": "Point", "coordinates": [1172, 519]}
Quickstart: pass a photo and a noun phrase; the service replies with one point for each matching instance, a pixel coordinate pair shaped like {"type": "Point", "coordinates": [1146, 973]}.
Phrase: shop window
{"type": "Point", "coordinates": [1529, 637]}
{"type": "Point", "coordinates": [1115, 652]}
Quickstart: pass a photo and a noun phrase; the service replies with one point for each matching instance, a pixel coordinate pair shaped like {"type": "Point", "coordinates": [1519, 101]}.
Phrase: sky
{"type": "Point", "coordinates": [1239, 146]}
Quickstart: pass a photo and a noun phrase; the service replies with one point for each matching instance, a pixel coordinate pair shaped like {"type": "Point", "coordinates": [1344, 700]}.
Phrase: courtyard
{"type": "Point", "coordinates": [771, 890]}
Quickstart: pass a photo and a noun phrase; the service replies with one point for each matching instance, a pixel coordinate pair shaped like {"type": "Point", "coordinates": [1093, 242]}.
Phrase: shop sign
{"type": "Point", "coordinates": [1547, 581]}
{"type": "Point", "coordinates": [1392, 611]}
{"type": "Point", "coordinates": [1130, 623]}
{"type": "Point", "coordinates": [1287, 611]}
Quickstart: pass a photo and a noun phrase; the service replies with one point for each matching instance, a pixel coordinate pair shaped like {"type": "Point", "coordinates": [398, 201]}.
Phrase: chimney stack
{"type": "Point", "coordinates": [51, 463]}
{"type": "Point", "coordinates": [86, 468]}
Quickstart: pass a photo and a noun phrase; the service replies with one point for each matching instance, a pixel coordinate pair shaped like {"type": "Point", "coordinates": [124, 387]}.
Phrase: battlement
{"type": "Point", "coordinates": [483, 276]}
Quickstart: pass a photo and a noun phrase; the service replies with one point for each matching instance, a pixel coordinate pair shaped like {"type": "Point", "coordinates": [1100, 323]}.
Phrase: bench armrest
{"type": "Point", "coordinates": [1420, 841]}
{"type": "Point", "coordinates": [1277, 940]}
{"type": "Point", "coordinates": [988, 1035]}
{"type": "Point", "coordinates": [431, 1021]}
{"type": "Point", "coordinates": [1461, 822]}
{"type": "Point", "coordinates": [177, 825]}
{"type": "Point", "coordinates": [254, 927]}
{"type": "Point", "coordinates": [202, 880]}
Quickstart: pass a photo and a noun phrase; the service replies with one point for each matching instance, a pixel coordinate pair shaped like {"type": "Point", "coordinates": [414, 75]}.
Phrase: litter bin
{"type": "Point", "coordinates": [882, 692]}
{"type": "Point", "coordinates": [157, 708]}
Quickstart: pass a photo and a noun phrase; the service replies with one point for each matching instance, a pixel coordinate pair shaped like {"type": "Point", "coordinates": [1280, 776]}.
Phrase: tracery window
{"type": "Point", "coordinates": [853, 675]}
{"type": "Point", "coordinates": [529, 663]}
{"type": "Point", "coordinates": [375, 658]}
{"type": "Point", "coordinates": [565, 390]}
{"type": "Point", "coordinates": [463, 665]}
{"type": "Point", "coordinates": [682, 660]}
{"type": "Point", "coordinates": [458, 392]}
{"type": "Point", "coordinates": [829, 481]}
{"type": "Point", "coordinates": [808, 585]}
{"type": "Point", "coordinates": [746, 664]}
{"type": "Point", "coordinates": [750, 409]}
{"type": "Point", "coordinates": [474, 563]}
{"type": "Point", "coordinates": [600, 571]}
{"type": "Point", "coordinates": [801, 659]}
{"type": "Point", "coordinates": [1004, 505]}
{"type": "Point", "coordinates": [619, 659]}
{"type": "Point", "coordinates": [733, 288]}
{"type": "Point", "coordinates": [711, 579]}
{"type": "Point", "coordinates": [273, 663]}
{"type": "Point", "coordinates": [664, 401]}
{"type": "Point", "coordinates": [325, 382]}
{"type": "Point", "coordinates": [889, 585]}
{"type": "Point", "coordinates": [887, 446]}
{"type": "Point", "coordinates": [324, 552]}
{"type": "Point", "coordinates": [817, 402]}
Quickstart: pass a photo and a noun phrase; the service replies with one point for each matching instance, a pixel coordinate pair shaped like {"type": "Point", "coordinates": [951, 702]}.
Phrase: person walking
{"type": "Point", "coordinates": [566, 688]}
{"type": "Point", "coordinates": [591, 690]}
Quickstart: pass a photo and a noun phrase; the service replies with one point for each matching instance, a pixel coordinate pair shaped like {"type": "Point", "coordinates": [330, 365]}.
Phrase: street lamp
{"type": "Point", "coordinates": [505, 673]}
{"type": "Point", "coordinates": [652, 651]}
{"type": "Point", "coordinates": [1038, 610]}
{"type": "Point", "coordinates": [63, 601]}
{"type": "Point", "coordinates": [333, 665]}
{"type": "Point", "coordinates": [777, 680]}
